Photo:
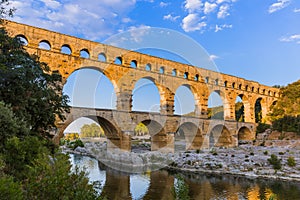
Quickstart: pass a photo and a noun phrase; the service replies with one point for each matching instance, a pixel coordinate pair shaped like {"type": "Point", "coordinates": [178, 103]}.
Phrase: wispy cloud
{"type": "Point", "coordinates": [221, 27]}
{"type": "Point", "coordinates": [163, 4]}
{"type": "Point", "coordinates": [296, 10]}
{"type": "Point", "coordinates": [207, 9]}
{"type": "Point", "coordinates": [89, 19]}
{"type": "Point", "coordinates": [213, 57]}
{"type": "Point", "coordinates": [223, 11]}
{"type": "Point", "coordinates": [291, 38]}
{"type": "Point", "coordinates": [280, 4]}
{"type": "Point", "coordinates": [192, 22]}
{"type": "Point", "coordinates": [170, 17]}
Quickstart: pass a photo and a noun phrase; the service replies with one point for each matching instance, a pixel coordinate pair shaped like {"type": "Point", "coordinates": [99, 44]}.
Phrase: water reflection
{"type": "Point", "coordinates": [159, 185]}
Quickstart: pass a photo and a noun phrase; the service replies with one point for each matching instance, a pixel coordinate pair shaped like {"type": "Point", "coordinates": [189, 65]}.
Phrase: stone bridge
{"type": "Point", "coordinates": [66, 54]}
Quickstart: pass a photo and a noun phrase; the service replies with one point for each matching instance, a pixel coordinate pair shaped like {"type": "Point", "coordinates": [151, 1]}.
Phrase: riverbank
{"type": "Point", "coordinates": [247, 161]}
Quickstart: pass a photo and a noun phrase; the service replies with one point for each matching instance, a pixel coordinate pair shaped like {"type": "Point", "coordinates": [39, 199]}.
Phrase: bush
{"type": "Point", "coordinates": [181, 189]}
{"type": "Point", "coordinates": [262, 127]}
{"type": "Point", "coordinates": [291, 161]}
{"type": "Point", "coordinates": [266, 152]}
{"type": "Point", "coordinates": [275, 162]}
{"type": "Point", "coordinates": [76, 143]}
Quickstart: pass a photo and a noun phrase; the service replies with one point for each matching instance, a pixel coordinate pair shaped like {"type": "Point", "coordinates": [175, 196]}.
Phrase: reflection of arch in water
{"type": "Point", "coordinates": [220, 137]}
{"type": "Point", "coordinates": [139, 185]}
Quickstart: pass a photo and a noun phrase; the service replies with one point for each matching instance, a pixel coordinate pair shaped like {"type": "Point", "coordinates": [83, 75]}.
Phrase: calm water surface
{"type": "Point", "coordinates": [158, 185]}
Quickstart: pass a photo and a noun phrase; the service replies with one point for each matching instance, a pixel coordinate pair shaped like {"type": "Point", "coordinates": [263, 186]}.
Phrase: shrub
{"type": "Point", "coordinates": [273, 160]}
{"type": "Point", "coordinates": [180, 189]}
{"type": "Point", "coordinates": [266, 152]}
{"type": "Point", "coordinates": [262, 127]}
{"type": "Point", "coordinates": [291, 161]}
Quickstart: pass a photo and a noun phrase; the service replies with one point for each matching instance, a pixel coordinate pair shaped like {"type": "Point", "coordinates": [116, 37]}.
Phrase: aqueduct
{"type": "Point", "coordinates": [66, 54]}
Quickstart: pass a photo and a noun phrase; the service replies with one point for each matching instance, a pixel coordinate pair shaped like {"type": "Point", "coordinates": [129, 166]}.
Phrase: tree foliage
{"type": "Point", "coordinates": [141, 129]}
{"type": "Point", "coordinates": [31, 167]}
{"type": "Point", "coordinates": [29, 86]}
{"type": "Point", "coordinates": [289, 102]}
{"type": "Point", "coordinates": [91, 130]}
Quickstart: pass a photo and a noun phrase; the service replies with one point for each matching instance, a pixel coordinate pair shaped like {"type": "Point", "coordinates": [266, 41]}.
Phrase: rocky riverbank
{"type": "Point", "coordinates": [249, 161]}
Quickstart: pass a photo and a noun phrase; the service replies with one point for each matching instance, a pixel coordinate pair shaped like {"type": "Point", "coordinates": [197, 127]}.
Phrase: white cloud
{"type": "Point", "coordinates": [223, 11]}
{"type": "Point", "coordinates": [280, 4]}
{"type": "Point", "coordinates": [291, 38]}
{"type": "Point", "coordinates": [221, 27]}
{"type": "Point", "coordinates": [192, 22]}
{"type": "Point", "coordinates": [296, 10]}
{"type": "Point", "coordinates": [163, 4]}
{"type": "Point", "coordinates": [209, 7]}
{"type": "Point", "coordinates": [137, 32]}
{"type": "Point", "coordinates": [170, 17]}
{"type": "Point", "coordinates": [193, 5]}
{"type": "Point", "coordinates": [90, 19]}
{"type": "Point", "coordinates": [213, 57]}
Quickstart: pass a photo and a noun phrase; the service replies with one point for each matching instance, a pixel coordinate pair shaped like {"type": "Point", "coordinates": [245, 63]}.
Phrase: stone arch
{"type": "Point", "coordinates": [220, 136]}
{"type": "Point", "coordinates": [133, 64]}
{"type": "Point", "coordinates": [148, 67]}
{"type": "Point", "coordinates": [218, 105]}
{"type": "Point", "coordinates": [196, 78]}
{"type": "Point", "coordinates": [146, 83]}
{"type": "Point", "coordinates": [162, 70]}
{"type": "Point", "coordinates": [186, 75]}
{"type": "Point", "coordinates": [157, 133]}
{"type": "Point", "coordinates": [118, 60]}
{"type": "Point", "coordinates": [245, 134]}
{"type": "Point", "coordinates": [111, 130]}
{"type": "Point", "coordinates": [45, 44]}
{"type": "Point", "coordinates": [66, 49]}
{"type": "Point", "coordinates": [260, 109]}
{"type": "Point", "coordinates": [246, 110]}
{"type": "Point", "coordinates": [84, 53]}
{"type": "Point", "coordinates": [102, 57]}
{"type": "Point", "coordinates": [188, 137]}
{"type": "Point", "coordinates": [110, 86]}
{"type": "Point", "coordinates": [23, 39]}
{"type": "Point", "coordinates": [193, 91]}
{"type": "Point", "coordinates": [174, 72]}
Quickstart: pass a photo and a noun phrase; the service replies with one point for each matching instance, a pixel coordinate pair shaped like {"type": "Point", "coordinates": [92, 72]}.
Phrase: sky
{"type": "Point", "coordinates": [254, 39]}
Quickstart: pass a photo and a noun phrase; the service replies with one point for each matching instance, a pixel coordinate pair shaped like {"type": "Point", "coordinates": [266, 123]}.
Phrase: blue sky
{"type": "Point", "coordinates": [254, 39]}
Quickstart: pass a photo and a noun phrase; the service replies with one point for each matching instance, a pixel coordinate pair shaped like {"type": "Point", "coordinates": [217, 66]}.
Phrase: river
{"type": "Point", "coordinates": [160, 184]}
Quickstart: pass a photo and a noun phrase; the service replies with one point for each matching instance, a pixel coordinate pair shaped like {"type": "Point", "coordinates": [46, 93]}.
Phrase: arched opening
{"type": "Point", "coordinates": [206, 79]}
{"type": "Point", "coordinates": [196, 78]}
{"type": "Point", "coordinates": [215, 106]}
{"type": "Point", "coordinates": [88, 87]}
{"type": "Point", "coordinates": [92, 128]}
{"type": "Point", "coordinates": [246, 87]}
{"type": "Point", "coordinates": [233, 85]}
{"type": "Point", "coordinates": [252, 89]}
{"type": "Point", "coordinates": [148, 67]}
{"type": "Point", "coordinates": [118, 61]}
{"type": "Point", "coordinates": [217, 82]}
{"type": "Point", "coordinates": [157, 134]}
{"type": "Point", "coordinates": [146, 96]}
{"type": "Point", "coordinates": [186, 75]}
{"type": "Point", "coordinates": [22, 39]}
{"type": "Point", "coordinates": [187, 137]}
{"type": "Point", "coordinates": [239, 109]}
{"type": "Point", "coordinates": [141, 140]}
{"type": "Point", "coordinates": [258, 110]}
{"type": "Point", "coordinates": [245, 135]}
{"type": "Point", "coordinates": [102, 57]}
{"type": "Point", "coordinates": [240, 86]}
{"type": "Point", "coordinates": [220, 137]}
{"type": "Point", "coordinates": [66, 49]}
{"type": "Point", "coordinates": [133, 64]}
{"type": "Point", "coordinates": [162, 70]}
{"type": "Point", "coordinates": [174, 72]}
{"type": "Point", "coordinates": [44, 44]}
{"type": "Point", "coordinates": [225, 83]}
{"type": "Point", "coordinates": [184, 102]}
{"type": "Point", "coordinates": [84, 53]}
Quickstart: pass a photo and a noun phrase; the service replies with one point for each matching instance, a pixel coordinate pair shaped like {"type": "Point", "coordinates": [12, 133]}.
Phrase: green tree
{"type": "Point", "coordinates": [141, 129]}
{"type": "Point", "coordinates": [91, 130]}
{"type": "Point", "coordinates": [289, 102]}
{"type": "Point", "coordinates": [32, 90]}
